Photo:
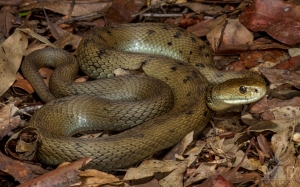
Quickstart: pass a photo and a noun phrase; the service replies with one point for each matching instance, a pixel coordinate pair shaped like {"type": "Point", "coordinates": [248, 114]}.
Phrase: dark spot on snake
{"type": "Point", "coordinates": [186, 79]}
{"type": "Point", "coordinates": [194, 74]}
{"type": "Point", "coordinates": [190, 112]}
{"type": "Point", "coordinates": [144, 62]}
{"type": "Point", "coordinates": [140, 135]}
{"type": "Point", "coordinates": [193, 39]}
{"type": "Point", "coordinates": [108, 32]}
{"type": "Point", "coordinates": [169, 43]}
{"type": "Point", "coordinates": [180, 52]}
{"type": "Point", "coordinates": [189, 94]}
{"type": "Point", "coordinates": [165, 27]}
{"type": "Point", "coordinates": [200, 65]}
{"type": "Point", "coordinates": [180, 63]}
{"type": "Point", "coordinates": [174, 68]}
{"type": "Point", "coordinates": [207, 54]}
{"type": "Point", "coordinates": [151, 31]}
{"type": "Point", "coordinates": [171, 131]}
{"type": "Point", "coordinates": [177, 35]}
{"type": "Point", "coordinates": [219, 74]}
{"type": "Point", "coordinates": [101, 52]}
{"type": "Point", "coordinates": [201, 47]}
{"type": "Point", "coordinates": [205, 113]}
{"type": "Point", "coordinates": [191, 52]}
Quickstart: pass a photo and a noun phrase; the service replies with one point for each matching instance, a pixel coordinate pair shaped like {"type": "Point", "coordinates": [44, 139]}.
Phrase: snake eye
{"type": "Point", "coordinates": [243, 89]}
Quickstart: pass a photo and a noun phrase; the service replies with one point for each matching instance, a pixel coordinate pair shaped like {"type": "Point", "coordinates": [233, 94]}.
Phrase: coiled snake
{"type": "Point", "coordinates": [173, 56]}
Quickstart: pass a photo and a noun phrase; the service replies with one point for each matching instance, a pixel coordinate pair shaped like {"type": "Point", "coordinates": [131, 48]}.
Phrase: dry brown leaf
{"type": "Point", "coordinates": [7, 17]}
{"type": "Point", "coordinates": [278, 77]}
{"type": "Point", "coordinates": [175, 178]}
{"type": "Point", "coordinates": [180, 147]}
{"type": "Point", "coordinates": [199, 8]}
{"type": "Point", "coordinates": [8, 121]}
{"type": "Point", "coordinates": [236, 38]}
{"type": "Point", "coordinates": [63, 7]}
{"type": "Point", "coordinates": [21, 172]}
{"type": "Point", "coordinates": [203, 171]}
{"type": "Point", "coordinates": [23, 84]}
{"type": "Point", "coordinates": [10, 58]}
{"type": "Point", "coordinates": [121, 11]}
{"type": "Point", "coordinates": [92, 177]}
{"type": "Point", "coordinates": [61, 176]}
{"type": "Point", "coordinates": [278, 18]}
{"type": "Point", "coordinates": [149, 167]}
{"type": "Point", "coordinates": [285, 169]}
{"type": "Point", "coordinates": [214, 36]}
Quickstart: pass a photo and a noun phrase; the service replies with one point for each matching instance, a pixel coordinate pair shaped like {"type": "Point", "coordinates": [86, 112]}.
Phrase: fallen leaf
{"type": "Point", "coordinates": [8, 121]}
{"type": "Point", "coordinates": [278, 18]}
{"type": "Point", "coordinates": [121, 11]}
{"type": "Point", "coordinates": [63, 7]}
{"type": "Point", "coordinates": [175, 178]}
{"type": "Point", "coordinates": [92, 177]}
{"type": "Point", "coordinates": [203, 172]}
{"type": "Point", "coordinates": [149, 167]}
{"type": "Point", "coordinates": [22, 172]}
{"type": "Point", "coordinates": [11, 58]}
{"type": "Point", "coordinates": [180, 147]}
{"type": "Point", "coordinates": [61, 176]}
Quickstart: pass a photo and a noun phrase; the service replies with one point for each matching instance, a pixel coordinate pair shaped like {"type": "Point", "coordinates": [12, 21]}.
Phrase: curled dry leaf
{"type": "Point", "coordinates": [278, 18]}
{"type": "Point", "coordinates": [10, 58]}
{"type": "Point", "coordinates": [27, 140]}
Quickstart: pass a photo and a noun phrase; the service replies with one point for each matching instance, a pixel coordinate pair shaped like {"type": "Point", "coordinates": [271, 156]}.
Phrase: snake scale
{"type": "Point", "coordinates": [167, 53]}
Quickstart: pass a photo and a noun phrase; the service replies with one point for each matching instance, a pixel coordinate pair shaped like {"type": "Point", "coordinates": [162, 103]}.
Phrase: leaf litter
{"type": "Point", "coordinates": [251, 146]}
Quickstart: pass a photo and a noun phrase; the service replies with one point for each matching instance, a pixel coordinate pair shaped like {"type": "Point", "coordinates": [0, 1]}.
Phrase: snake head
{"type": "Point", "coordinates": [233, 92]}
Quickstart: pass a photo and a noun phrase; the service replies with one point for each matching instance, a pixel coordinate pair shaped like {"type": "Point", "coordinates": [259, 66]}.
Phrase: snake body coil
{"type": "Point", "coordinates": [184, 63]}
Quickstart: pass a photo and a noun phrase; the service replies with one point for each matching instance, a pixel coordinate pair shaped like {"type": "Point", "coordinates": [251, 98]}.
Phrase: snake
{"type": "Point", "coordinates": [166, 56]}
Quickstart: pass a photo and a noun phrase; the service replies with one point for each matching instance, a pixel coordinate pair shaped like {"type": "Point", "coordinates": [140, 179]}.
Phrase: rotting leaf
{"type": "Point", "coordinates": [10, 58]}
{"type": "Point", "coordinates": [278, 18]}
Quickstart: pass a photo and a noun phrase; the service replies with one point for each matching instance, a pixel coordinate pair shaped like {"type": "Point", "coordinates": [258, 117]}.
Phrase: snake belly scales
{"type": "Point", "coordinates": [167, 53]}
